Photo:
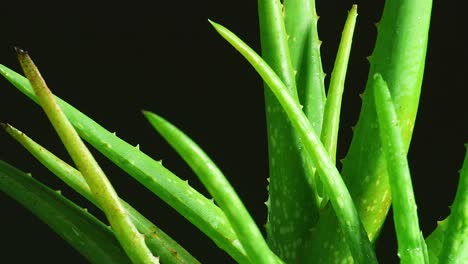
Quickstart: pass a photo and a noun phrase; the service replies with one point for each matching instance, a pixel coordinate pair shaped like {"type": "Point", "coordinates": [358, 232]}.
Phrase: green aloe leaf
{"type": "Point", "coordinates": [94, 240]}
{"type": "Point", "coordinates": [331, 115]}
{"type": "Point", "coordinates": [455, 243]}
{"type": "Point", "coordinates": [410, 249]}
{"type": "Point", "coordinates": [127, 234]}
{"type": "Point", "coordinates": [199, 210]}
{"type": "Point", "coordinates": [290, 217]}
{"type": "Point", "coordinates": [300, 19]}
{"type": "Point", "coordinates": [435, 241]}
{"type": "Point", "coordinates": [219, 187]}
{"type": "Point", "coordinates": [350, 224]}
{"type": "Point", "coordinates": [454, 248]}
{"type": "Point", "coordinates": [160, 244]}
{"type": "Point", "coordinates": [399, 56]}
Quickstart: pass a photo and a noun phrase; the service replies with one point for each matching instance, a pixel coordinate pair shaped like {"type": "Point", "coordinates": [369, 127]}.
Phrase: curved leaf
{"type": "Point", "coordinates": [410, 249]}
{"type": "Point", "coordinates": [219, 187]}
{"type": "Point", "coordinates": [129, 237]}
{"type": "Point", "coordinates": [455, 245]}
{"type": "Point", "coordinates": [331, 115]}
{"type": "Point", "coordinates": [340, 198]}
{"type": "Point", "coordinates": [158, 242]}
{"type": "Point", "coordinates": [399, 56]}
{"type": "Point", "coordinates": [289, 217]}
{"type": "Point", "coordinates": [94, 240]}
{"type": "Point", "coordinates": [199, 210]}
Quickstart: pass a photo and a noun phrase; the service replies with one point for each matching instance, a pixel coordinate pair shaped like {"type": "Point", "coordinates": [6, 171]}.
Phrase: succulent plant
{"type": "Point", "coordinates": [316, 212]}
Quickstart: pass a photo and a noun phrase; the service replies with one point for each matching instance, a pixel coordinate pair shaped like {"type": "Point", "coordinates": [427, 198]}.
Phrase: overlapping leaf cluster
{"type": "Point", "coordinates": [315, 212]}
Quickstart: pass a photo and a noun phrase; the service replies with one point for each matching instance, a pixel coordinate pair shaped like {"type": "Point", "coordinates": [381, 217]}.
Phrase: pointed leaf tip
{"type": "Point", "coordinates": [144, 112]}
{"type": "Point", "coordinates": [23, 57]}
{"type": "Point", "coordinates": [217, 27]}
{"type": "Point", "coordinates": [19, 50]}
{"type": "Point", "coordinates": [152, 116]}
{"type": "Point", "coordinates": [212, 22]}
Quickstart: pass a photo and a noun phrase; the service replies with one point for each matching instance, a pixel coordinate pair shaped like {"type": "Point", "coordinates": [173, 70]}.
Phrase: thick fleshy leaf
{"type": "Point", "coordinates": [199, 210]}
{"type": "Point", "coordinates": [399, 56]}
{"type": "Point", "coordinates": [300, 19]}
{"type": "Point", "coordinates": [435, 241]}
{"type": "Point", "coordinates": [331, 115]}
{"type": "Point", "coordinates": [455, 242]}
{"type": "Point", "coordinates": [219, 187]}
{"type": "Point", "coordinates": [410, 247]}
{"type": "Point", "coordinates": [94, 240]}
{"type": "Point", "coordinates": [103, 191]}
{"type": "Point", "coordinates": [290, 217]}
{"type": "Point", "coordinates": [158, 242]}
{"type": "Point", "coordinates": [350, 224]}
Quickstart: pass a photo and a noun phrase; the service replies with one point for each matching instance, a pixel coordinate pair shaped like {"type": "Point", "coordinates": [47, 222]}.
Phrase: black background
{"type": "Point", "coordinates": [111, 61]}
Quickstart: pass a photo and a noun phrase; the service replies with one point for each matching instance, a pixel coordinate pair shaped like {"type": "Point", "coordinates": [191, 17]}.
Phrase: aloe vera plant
{"type": "Point", "coordinates": [318, 208]}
